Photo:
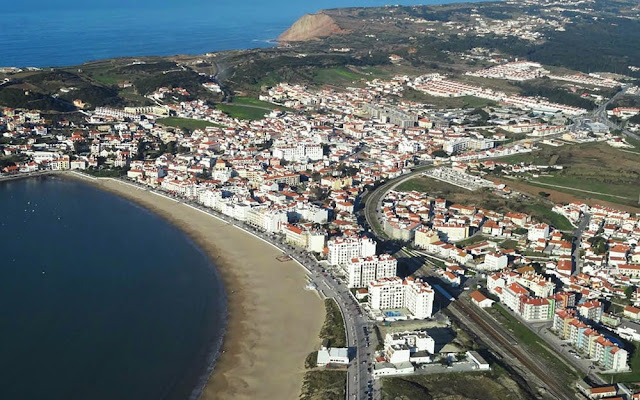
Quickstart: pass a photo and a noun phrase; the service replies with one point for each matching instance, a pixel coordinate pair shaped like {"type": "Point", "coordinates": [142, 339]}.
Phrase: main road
{"type": "Point", "coordinates": [600, 115]}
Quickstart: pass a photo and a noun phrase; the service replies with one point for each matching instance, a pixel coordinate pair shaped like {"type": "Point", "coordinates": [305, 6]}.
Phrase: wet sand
{"type": "Point", "coordinates": [273, 322]}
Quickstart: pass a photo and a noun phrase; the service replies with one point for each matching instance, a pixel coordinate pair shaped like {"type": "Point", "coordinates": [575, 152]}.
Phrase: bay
{"type": "Point", "coordinates": [100, 298]}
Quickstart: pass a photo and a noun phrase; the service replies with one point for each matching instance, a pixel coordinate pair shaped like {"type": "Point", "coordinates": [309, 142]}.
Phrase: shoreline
{"type": "Point", "coordinates": [272, 322]}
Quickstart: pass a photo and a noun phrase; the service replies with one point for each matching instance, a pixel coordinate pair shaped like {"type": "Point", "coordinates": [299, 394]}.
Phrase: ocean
{"type": "Point", "coordinates": [42, 33]}
{"type": "Point", "coordinates": [100, 298]}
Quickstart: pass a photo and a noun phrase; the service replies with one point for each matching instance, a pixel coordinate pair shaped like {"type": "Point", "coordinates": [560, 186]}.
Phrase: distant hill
{"type": "Point", "coordinates": [311, 26]}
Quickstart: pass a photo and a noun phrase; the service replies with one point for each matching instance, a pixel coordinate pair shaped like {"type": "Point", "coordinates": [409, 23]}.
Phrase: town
{"type": "Point", "coordinates": [447, 237]}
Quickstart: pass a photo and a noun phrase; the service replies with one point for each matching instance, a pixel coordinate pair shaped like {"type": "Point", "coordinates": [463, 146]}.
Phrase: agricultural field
{"type": "Point", "coordinates": [595, 172]}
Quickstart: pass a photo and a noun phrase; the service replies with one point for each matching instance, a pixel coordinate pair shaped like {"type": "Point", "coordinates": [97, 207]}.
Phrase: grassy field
{"type": "Point", "coordinates": [472, 240]}
{"type": "Point", "coordinates": [612, 189]}
{"type": "Point", "coordinates": [250, 101]}
{"type": "Point", "coordinates": [333, 328]}
{"type": "Point", "coordinates": [242, 112]}
{"type": "Point", "coordinates": [544, 213]}
{"type": "Point", "coordinates": [610, 174]}
{"type": "Point", "coordinates": [107, 79]}
{"type": "Point", "coordinates": [509, 244]}
{"type": "Point", "coordinates": [633, 142]}
{"type": "Point", "coordinates": [485, 199]}
{"type": "Point", "coordinates": [495, 384]}
{"type": "Point", "coordinates": [324, 385]}
{"type": "Point", "coordinates": [339, 76]}
{"type": "Point", "coordinates": [186, 123]}
{"type": "Point", "coordinates": [446, 102]}
{"type": "Point", "coordinates": [247, 108]}
{"type": "Point", "coordinates": [534, 343]}
{"type": "Point", "coordinates": [566, 195]}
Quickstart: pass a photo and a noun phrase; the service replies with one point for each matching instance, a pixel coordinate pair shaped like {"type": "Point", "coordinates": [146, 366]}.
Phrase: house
{"type": "Point", "coordinates": [494, 262]}
{"type": "Point", "coordinates": [480, 300]}
{"type": "Point", "coordinates": [601, 392]}
{"type": "Point", "coordinates": [632, 312]}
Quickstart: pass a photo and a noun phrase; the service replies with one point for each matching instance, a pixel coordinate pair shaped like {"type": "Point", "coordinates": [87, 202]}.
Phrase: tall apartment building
{"type": "Point", "coordinates": [362, 270]}
{"type": "Point", "coordinates": [591, 310]}
{"type": "Point", "coordinates": [344, 249]}
{"type": "Point", "coordinates": [414, 295]}
{"type": "Point", "coordinates": [269, 220]}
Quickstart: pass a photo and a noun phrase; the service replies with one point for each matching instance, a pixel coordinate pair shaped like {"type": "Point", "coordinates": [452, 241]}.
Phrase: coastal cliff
{"type": "Point", "coordinates": [309, 27]}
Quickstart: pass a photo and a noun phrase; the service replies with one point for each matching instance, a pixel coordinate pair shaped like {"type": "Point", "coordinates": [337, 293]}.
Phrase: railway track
{"type": "Point", "coordinates": [558, 389]}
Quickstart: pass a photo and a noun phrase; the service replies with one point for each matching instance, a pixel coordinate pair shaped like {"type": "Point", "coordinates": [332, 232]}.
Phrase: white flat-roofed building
{"type": "Point", "coordinates": [313, 213]}
{"type": "Point", "coordinates": [269, 220]}
{"type": "Point", "coordinates": [494, 262]}
{"type": "Point", "coordinates": [392, 293]}
{"type": "Point", "coordinates": [386, 293]}
{"type": "Point", "coordinates": [332, 355]}
{"type": "Point", "coordinates": [419, 298]}
{"type": "Point", "coordinates": [386, 369]}
{"type": "Point", "coordinates": [362, 270]}
{"type": "Point", "coordinates": [454, 232]}
{"type": "Point", "coordinates": [344, 249]}
{"type": "Point", "coordinates": [316, 241]}
{"type": "Point", "coordinates": [397, 353]}
{"type": "Point", "coordinates": [416, 340]}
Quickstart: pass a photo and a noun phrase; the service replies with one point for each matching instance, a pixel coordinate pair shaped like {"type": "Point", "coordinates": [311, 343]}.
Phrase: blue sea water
{"type": "Point", "coordinates": [44, 33]}
{"type": "Point", "coordinates": [100, 298]}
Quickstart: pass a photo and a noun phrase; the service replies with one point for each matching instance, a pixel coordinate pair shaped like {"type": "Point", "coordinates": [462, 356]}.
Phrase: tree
{"type": "Point", "coordinates": [440, 153]}
{"type": "Point", "coordinates": [599, 244]}
{"type": "Point", "coordinates": [628, 292]}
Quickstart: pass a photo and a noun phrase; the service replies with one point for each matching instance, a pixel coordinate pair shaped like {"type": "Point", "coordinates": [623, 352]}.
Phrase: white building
{"type": "Point", "coordinates": [494, 262]}
{"type": "Point", "coordinates": [300, 151]}
{"type": "Point", "coordinates": [392, 293]}
{"type": "Point", "coordinates": [591, 310]}
{"type": "Point", "coordinates": [269, 220]}
{"type": "Point", "coordinates": [362, 270]}
{"type": "Point", "coordinates": [342, 250]}
{"type": "Point", "coordinates": [332, 355]}
{"type": "Point", "coordinates": [539, 231]}
{"type": "Point", "coordinates": [452, 231]}
{"type": "Point", "coordinates": [414, 340]}
{"type": "Point", "coordinates": [512, 296]}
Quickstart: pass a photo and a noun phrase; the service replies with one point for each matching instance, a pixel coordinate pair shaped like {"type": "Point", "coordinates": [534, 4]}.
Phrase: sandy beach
{"type": "Point", "coordinates": [273, 322]}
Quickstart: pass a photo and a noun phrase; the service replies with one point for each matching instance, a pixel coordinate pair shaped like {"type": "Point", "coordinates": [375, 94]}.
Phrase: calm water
{"type": "Point", "coordinates": [99, 298]}
{"type": "Point", "coordinates": [67, 32]}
